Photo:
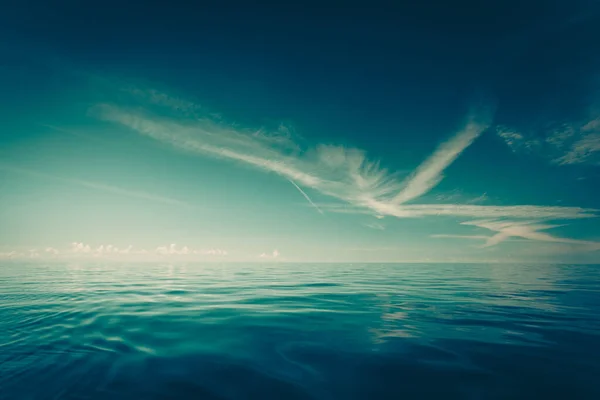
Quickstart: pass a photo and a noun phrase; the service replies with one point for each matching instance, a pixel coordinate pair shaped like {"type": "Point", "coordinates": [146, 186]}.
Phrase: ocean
{"type": "Point", "coordinates": [299, 331]}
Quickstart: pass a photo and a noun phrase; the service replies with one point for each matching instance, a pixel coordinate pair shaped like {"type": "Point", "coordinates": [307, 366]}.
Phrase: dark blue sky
{"type": "Point", "coordinates": [384, 62]}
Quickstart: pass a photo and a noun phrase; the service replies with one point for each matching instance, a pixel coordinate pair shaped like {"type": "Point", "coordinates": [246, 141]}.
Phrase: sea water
{"type": "Point", "coordinates": [299, 331]}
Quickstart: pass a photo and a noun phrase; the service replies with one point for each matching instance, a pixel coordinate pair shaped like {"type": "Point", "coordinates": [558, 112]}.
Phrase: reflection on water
{"type": "Point", "coordinates": [299, 331]}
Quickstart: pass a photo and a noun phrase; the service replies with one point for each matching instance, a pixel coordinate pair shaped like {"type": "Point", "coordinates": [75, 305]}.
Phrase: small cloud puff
{"type": "Point", "coordinates": [214, 252]}
{"type": "Point", "coordinates": [274, 254]}
{"type": "Point", "coordinates": [80, 248]}
{"type": "Point", "coordinates": [173, 250]}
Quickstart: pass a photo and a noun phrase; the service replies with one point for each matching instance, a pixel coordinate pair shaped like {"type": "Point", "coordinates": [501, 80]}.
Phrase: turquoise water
{"type": "Point", "coordinates": [291, 331]}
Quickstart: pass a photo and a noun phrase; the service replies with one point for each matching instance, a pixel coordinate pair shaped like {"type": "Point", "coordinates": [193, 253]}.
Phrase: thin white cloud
{"type": "Point", "coordinates": [561, 136]}
{"type": "Point", "coordinates": [455, 196]}
{"type": "Point", "coordinates": [479, 199]}
{"type": "Point", "coordinates": [336, 171]}
{"type": "Point", "coordinates": [210, 138]}
{"type": "Point", "coordinates": [592, 126]}
{"type": "Point", "coordinates": [430, 173]}
{"type": "Point", "coordinates": [162, 99]}
{"type": "Point", "coordinates": [576, 142]}
{"type": "Point", "coordinates": [375, 225]}
{"type": "Point", "coordinates": [527, 230]}
{"type": "Point", "coordinates": [582, 150]}
{"type": "Point", "coordinates": [306, 196]}
{"type": "Point", "coordinates": [449, 197]}
{"type": "Point", "coordinates": [516, 141]}
{"type": "Point", "coordinates": [512, 139]}
{"type": "Point", "coordinates": [333, 170]}
{"type": "Point", "coordinates": [471, 210]}
{"type": "Point", "coordinates": [449, 236]}
{"type": "Point", "coordinates": [96, 186]}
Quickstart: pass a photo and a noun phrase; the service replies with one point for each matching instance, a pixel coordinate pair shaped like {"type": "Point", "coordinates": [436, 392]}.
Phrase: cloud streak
{"type": "Point", "coordinates": [430, 173]}
{"type": "Point", "coordinates": [469, 210]}
{"type": "Point", "coordinates": [526, 230]}
{"type": "Point", "coordinates": [450, 236]}
{"type": "Point", "coordinates": [306, 196]}
{"type": "Point", "coordinates": [582, 150]}
{"type": "Point", "coordinates": [336, 171]}
{"type": "Point", "coordinates": [566, 144]}
{"type": "Point", "coordinates": [375, 225]}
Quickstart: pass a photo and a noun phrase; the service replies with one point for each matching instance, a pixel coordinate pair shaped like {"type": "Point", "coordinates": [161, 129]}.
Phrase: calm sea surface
{"type": "Point", "coordinates": [292, 331]}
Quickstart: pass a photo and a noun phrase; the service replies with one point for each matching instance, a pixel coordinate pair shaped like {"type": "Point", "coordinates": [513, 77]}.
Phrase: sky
{"type": "Point", "coordinates": [301, 132]}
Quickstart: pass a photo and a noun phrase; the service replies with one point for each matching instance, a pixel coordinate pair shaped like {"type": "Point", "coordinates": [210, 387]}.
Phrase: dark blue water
{"type": "Point", "coordinates": [109, 331]}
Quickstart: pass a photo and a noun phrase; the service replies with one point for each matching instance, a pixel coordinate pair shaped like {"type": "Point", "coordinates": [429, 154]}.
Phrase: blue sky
{"type": "Point", "coordinates": [442, 133]}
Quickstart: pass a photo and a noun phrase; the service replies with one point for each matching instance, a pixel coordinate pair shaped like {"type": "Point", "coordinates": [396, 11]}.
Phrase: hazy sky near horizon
{"type": "Point", "coordinates": [329, 132]}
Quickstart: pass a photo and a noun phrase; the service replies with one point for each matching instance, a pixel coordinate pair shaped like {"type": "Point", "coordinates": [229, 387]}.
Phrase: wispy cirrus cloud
{"type": "Point", "coordinates": [344, 173]}
{"type": "Point", "coordinates": [479, 199]}
{"type": "Point", "coordinates": [470, 210]}
{"type": "Point", "coordinates": [516, 141]}
{"type": "Point", "coordinates": [451, 236]}
{"type": "Point", "coordinates": [336, 171]}
{"type": "Point", "coordinates": [576, 142]}
{"type": "Point", "coordinates": [430, 172]}
{"type": "Point", "coordinates": [159, 98]}
{"type": "Point", "coordinates": [530, 230]}
{"type": "Point", "coordinates": [580, 142]}
{"type": "Point", "coordinates": [306, 196]}
{"type": "Point", "coordinates": [375, 225]}
{"type": "Point", "coordinates": [582, 150]}
{"type": "Point", "coordinates": [340, 172]}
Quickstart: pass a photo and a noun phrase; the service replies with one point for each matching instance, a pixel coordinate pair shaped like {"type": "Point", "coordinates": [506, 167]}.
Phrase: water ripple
{"type": "Point", "coordinates": [288, 331]}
